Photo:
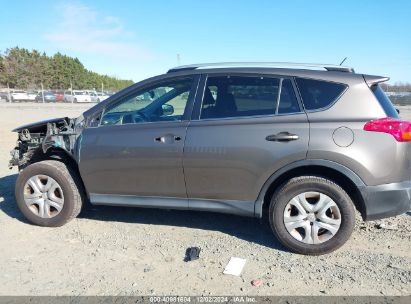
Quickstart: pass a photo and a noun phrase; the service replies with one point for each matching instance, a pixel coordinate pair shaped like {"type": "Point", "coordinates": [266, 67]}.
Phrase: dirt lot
{"type": "Point", "coordinates": [130, 251]}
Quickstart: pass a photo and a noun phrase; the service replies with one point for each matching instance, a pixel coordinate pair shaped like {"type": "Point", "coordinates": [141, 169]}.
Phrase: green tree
{"type": "Point", "coordinates": [24, 69]}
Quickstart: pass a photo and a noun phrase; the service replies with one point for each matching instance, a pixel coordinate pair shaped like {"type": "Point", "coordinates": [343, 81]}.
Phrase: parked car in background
{"type": "Point", "coordinates": [99, 96]}
{"type": "Point", "coordinates": [4, 96]}
{"type": "Point", "coordinates": [68, 96]}
{"type": "Point", "coordinates": [90, 93]}
{"type": "Point", "coordinates": [59, 95]}
{"type": "Point", "coordinates": [76, 96]}
{"type": "Point", "coordinates": [93, 96]}
{"type": "Point", "coordinates": [48, 97]}
{"type": "Point", "coordinates": [102, 96]}
{"type": "Point", "coordinates": [18, 96]}
{"type": "Point", "coordinates": [31, 95]}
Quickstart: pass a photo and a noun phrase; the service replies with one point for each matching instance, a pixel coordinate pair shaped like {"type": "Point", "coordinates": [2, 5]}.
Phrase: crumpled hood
{"type": "Point", "coordinates": [40, 125]}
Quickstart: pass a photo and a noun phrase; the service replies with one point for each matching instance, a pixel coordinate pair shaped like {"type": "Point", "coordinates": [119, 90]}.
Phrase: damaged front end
{"type": "Point", "coordinates": [35, 141]}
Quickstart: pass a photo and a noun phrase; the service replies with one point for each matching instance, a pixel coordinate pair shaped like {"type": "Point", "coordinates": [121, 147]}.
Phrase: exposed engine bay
{"type": "Point", "coordinates": [36, 140]}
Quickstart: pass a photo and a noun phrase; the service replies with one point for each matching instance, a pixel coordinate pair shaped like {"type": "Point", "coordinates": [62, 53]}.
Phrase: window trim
{"type": "Point", "coordinates": [317, 79]}
{"type": "Point", "coordinates": [196, 114]}
{"type": "Point", "coordinates": [277, 103]}
{"type": "Point", "coordinates": [187, 111]}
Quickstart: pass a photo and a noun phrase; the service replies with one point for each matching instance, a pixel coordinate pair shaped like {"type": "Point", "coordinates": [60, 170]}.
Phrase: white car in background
{"type": "Point", "coordinates": [77, 96]}
{"type": "Point", "coordinates": [31, 95]}
{"type": "Point", "coordinates": [17, 96]}
{"type": "Point", "coordinates": [68, 96]}
{"type": "Point", "coordinates": [99, 96]}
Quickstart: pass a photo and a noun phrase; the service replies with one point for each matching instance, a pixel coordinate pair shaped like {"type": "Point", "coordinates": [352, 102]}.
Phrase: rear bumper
{"type": "Point", "coordinates": [386, 200]}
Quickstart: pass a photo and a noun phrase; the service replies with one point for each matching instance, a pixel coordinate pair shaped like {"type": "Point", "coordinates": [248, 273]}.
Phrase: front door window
{"type": "Point", "coordinates": [163, 102]}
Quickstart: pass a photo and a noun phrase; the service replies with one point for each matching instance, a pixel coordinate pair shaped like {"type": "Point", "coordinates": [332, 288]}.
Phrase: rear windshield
{"type": "Point", "coordinates": [318, 94]}
{"type": "Point", "coordinates": [384, 101]}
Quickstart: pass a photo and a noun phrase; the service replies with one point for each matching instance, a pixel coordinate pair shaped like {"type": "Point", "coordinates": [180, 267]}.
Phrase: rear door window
{"type": "Point", "coordinates": [318, 94]}
{"type": "Point", "coordinates": [238, 96]}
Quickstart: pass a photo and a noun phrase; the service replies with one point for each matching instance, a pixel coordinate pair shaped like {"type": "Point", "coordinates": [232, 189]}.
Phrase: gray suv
{"type": "Point", "coordinates": [305, 146]}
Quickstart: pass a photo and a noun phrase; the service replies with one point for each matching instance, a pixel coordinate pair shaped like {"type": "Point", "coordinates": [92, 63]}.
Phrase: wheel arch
{"type": "Point", "coordinates": [336, 172]}
{"type": "Point", "coordinates": [60, 155]}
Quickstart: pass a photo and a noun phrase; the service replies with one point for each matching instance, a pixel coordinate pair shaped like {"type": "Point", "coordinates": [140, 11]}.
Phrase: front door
{"type": "Point", "coordinates": [247, 128]}
{"type": "Point", "coordinates": [135, 153]}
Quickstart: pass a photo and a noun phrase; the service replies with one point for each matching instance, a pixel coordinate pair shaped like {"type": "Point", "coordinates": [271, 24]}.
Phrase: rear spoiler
{"type": "Point", "coordinates": [373, 80]}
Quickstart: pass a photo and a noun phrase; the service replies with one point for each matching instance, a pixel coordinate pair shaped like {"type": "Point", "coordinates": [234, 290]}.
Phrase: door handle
{"type": "Point", "coordinates": [282, 137]}
{"type": "Point", "coordinates": [167, 139]}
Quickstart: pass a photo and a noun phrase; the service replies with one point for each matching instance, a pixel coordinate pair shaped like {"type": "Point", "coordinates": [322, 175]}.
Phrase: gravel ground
{"type": "Point", "coordinates": [131, 251]}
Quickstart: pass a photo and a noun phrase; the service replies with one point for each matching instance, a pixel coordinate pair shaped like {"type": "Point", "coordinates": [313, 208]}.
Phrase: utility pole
{"type": "Point", "coordinates": [42, 91]}
{"type": "Point", "coordinates": [71, 91]}
{"type": "Point", "coordinates": [102, 88]}
{"type": "Point", "coordinates": [8, 91]}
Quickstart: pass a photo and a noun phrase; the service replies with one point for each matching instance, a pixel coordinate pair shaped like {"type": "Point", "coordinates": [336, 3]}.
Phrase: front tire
{"type": "Point", "coordinates": [49, 193]}
{"type": "Point", "coordinates": [311, 215]}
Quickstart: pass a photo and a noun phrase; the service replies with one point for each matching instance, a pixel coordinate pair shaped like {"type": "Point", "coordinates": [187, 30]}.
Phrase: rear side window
{"type": "Point", "coordinates": [235, 96]}
{"type": "Point", "coordinates": [384, 101]}
{"type": "Point", "coordinates": [317, 94]}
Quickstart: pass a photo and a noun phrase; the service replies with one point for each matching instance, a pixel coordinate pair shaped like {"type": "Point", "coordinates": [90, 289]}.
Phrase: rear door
{"type": "Point", "coordinates": [244, 128]}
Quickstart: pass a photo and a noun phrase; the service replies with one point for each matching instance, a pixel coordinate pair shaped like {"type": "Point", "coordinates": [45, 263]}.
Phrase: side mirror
{"type": "Point", "coordinates": [167, 109]}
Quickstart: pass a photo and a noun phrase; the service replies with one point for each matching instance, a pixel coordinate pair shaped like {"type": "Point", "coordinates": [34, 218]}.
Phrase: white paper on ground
{"type": "Point", "coordinates": [235, 266]}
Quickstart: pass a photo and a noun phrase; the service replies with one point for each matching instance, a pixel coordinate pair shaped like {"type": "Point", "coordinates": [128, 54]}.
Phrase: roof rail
{"type": "Point", "coordinates": [293, 65]}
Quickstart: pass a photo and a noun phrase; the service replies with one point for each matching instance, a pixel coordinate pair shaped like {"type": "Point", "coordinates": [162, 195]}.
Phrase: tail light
{"type": "Point", "coordinates": [400, 129]}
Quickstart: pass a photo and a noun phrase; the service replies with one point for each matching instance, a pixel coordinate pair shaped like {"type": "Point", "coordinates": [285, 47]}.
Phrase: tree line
{"type": "Point", "coordinates": [397, 87]}
{"type": "Point", "coordinates": [24, 69]}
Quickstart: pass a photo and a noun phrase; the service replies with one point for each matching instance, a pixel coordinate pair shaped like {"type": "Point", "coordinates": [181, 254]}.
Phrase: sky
{"type": "Point", "coordinates": [138, 39]}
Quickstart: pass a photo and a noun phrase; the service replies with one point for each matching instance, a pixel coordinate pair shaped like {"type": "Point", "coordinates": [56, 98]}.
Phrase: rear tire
{"type": "Point", "coordinates": [327, 224]}
{"type": "Point", "coordinates": [49, 193]}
